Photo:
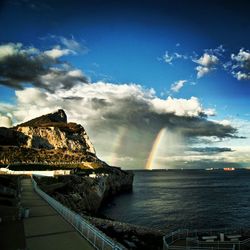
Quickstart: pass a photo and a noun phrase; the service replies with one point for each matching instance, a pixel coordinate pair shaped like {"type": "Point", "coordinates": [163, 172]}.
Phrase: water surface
{"type": "Point", "coordinates": [185, 199]}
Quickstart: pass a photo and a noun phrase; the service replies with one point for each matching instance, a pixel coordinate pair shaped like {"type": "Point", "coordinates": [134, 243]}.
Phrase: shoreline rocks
{"type": "Point", "coordinates": [130, 235]}
{"type": "Point", "coordinates": [86, 191]}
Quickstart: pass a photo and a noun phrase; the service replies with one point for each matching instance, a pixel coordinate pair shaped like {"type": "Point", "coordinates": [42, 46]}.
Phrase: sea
{"type": "Point", "coordinates": [194, 199]}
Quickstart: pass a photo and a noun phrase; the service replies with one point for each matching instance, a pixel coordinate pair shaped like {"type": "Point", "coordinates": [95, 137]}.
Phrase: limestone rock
{"type": "Point", "coordinates": [85, 194]}
{"type": "Point", "coordinates": [63, 141]}
{"type": "Point", "coordinates": [58, 137]}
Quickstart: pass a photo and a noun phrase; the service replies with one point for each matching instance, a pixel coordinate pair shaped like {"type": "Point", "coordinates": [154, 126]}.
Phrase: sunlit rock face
{"type": "Point", "coordinates": [52, 131]}
{"type": "Point", "coordinates": [64, 136]}
{"type": "Point", "coordinates": [49, 138]}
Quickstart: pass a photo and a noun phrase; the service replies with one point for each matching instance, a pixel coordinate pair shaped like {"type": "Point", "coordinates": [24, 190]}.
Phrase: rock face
{"type": "Point", "coordinates": [66, 141]}
{"type": "Point", "coordinates": [85, 194]}
{"type": "Point", "coordinates": [10, 137]}
{"type": "Point", "coordinates": [71, 137]}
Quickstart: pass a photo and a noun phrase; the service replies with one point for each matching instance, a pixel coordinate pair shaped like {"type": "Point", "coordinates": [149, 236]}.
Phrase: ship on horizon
{"type": "Point", "coordinates": [228, 169]}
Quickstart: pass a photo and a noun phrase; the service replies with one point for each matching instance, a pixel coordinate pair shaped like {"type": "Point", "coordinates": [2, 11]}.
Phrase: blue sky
{"type": "Point", "coordinates": [180, 49]}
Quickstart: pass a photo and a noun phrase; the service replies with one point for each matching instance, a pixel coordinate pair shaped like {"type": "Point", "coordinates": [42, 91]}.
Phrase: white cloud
{"type": "Point", "coordinates": [224, 122]}
{"type": "Point", "coordinates": [219, 51]}
{"type": "Point", "coordinates": [71, 43]}
{"type": "Point", "coordinates": [66, 46]}
{"type": "Point", "coordinates": [31, 96]}
{"type": "Point", "coordinates": [211, 59]}
{"type": "Point", "coordinates": [5, 121]}
{"type": "Point", "coordinates": [9, 49]}
{"type": "Point", "coordinates": [201, 71]}
{"type": "Point", "coordinates": [170, 57]}
{"type": "Point", "coordinates": [179, 106]}
{"type": "Point", "coordinates": [75, 73]}
{"type": "Point", "coordinates": [12, 49]}
{"type": "Point", "coordinates": [207, 63]}
{"type": "Point", "coordinates": [241, 65]}
{"type": "Point", "coordinates": [211, 112]}
{"type": "Point", "coordinates": [207, 60]}
{"type": "Point", "coordinates": [180, 56]}
{"type": "Point", "coordinates": [243, 56]}
{"type": "Point", "coordinates": [242, 76]}
{"type": "Point", "coordinates": [58, 52]}
{"type": "Point", "coordinates": [175, 87]}
{"type": "Point", "coordinates": [91, 102]}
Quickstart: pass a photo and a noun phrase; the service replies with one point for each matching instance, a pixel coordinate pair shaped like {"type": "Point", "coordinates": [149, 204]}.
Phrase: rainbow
{"type": "Point", "coordinates": [118, 141]}
{"type": "Point", "coordinates": [154, 149]}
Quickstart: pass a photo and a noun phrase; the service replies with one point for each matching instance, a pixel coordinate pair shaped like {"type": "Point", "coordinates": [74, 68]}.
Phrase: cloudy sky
{"type": "Point", "coordinates": [156, 84]}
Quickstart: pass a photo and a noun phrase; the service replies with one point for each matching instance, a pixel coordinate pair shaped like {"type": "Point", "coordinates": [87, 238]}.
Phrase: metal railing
{"type": "Point", "coordinates": [97, 238]}
{"type": "Point", "coordinates": [191, 236]}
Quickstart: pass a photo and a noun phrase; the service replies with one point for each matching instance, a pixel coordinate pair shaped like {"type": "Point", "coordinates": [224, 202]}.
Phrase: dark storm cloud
{"type": "Point", "coordinates": [20, 66]}
{"type": "Point", "coordinates": [99, 103]}
{"type": "Point", "coordinates": [138, 112]}
{"type": "Point", "coordinates": [73, 98]}
{"type": "Point", "coordinates": [199, 126]}
{"type": "Point", "coordinates": [211, 150]}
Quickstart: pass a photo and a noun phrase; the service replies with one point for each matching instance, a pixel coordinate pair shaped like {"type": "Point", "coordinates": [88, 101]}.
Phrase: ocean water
{"type": "Point", "coordinates": [185, 199]}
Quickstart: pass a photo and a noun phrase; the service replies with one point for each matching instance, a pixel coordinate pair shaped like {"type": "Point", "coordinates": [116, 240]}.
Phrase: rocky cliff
{"type": "Point", "coordinates": [69, 136]}
{"type": "Point", "coordinates": [48, 138]}
{"type": "Point", "coordinates": [85, 193]}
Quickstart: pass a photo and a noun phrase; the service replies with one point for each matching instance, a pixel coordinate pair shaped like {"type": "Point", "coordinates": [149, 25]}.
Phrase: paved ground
{"type": "Point", "coordinates": [12, 235]}
{"type": "Point", "coordinates": [11, 228]}
{"type": "Point", "coordinates": [45, 228]}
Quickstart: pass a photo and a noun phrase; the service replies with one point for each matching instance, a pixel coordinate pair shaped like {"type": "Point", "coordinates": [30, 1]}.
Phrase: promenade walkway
{"type": "Point", "coordinates": [45, 228]}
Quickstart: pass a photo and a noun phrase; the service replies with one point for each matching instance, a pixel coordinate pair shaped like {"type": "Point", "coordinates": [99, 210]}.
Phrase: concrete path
{"type": "Point", "coordinates": [45, 228]}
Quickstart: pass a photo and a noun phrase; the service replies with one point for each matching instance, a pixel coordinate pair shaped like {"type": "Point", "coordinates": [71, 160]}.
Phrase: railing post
{"type": "Point", "coordinates": [102, 244]}
{"type": "Point", "coordinates": [94, 239]}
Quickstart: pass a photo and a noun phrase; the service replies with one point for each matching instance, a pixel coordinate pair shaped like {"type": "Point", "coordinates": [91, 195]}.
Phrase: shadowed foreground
{"type": "Point", "coordinates": [45, 229]}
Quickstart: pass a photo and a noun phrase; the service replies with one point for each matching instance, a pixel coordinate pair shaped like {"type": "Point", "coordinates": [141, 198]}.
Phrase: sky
{"type": "Point", "coordinates": [156, 84]}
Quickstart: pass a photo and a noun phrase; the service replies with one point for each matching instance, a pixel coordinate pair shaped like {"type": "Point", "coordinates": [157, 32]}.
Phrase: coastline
{"type": "Point", "coordinates": [87, 194]}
